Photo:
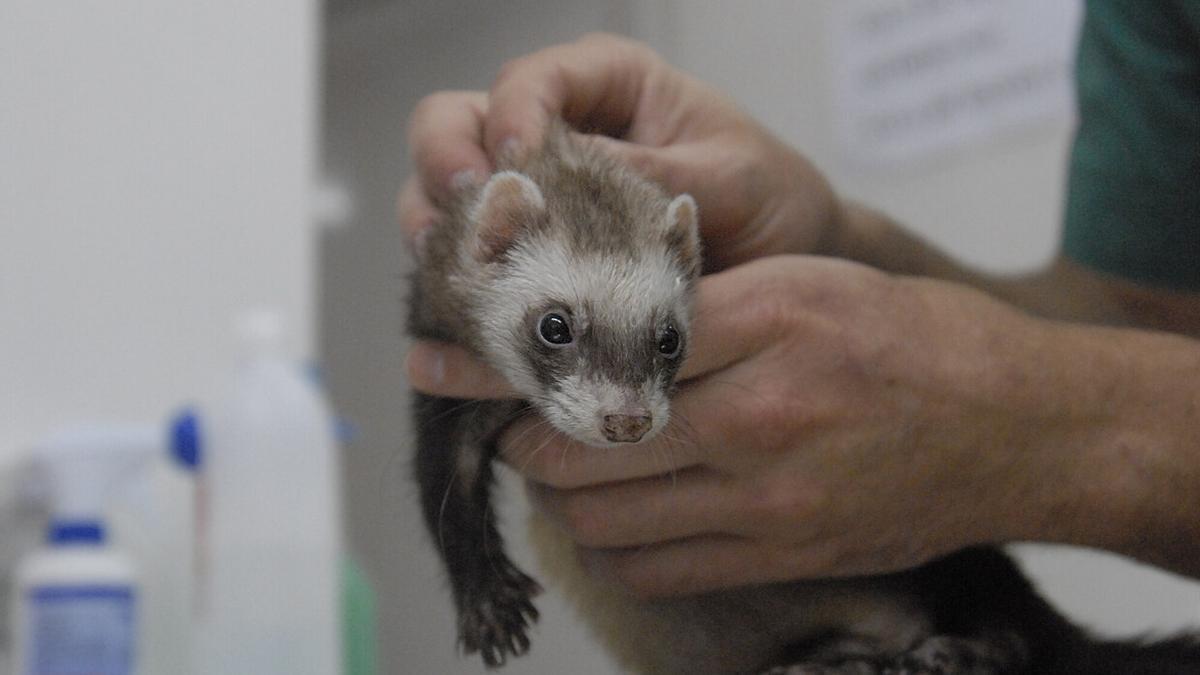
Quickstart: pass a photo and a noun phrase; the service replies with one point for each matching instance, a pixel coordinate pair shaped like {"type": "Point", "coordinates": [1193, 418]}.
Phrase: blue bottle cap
{"type": "Point", "coordinates": [187, 442]}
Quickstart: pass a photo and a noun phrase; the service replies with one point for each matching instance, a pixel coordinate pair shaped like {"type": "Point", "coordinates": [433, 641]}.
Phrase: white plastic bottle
{"type": "Point", "coordinates": [77, 604]}
{"type": "Point", "coordinates": [269, 590]}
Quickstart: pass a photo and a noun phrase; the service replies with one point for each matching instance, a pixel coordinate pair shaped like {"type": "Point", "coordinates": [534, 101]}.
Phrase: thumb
{"type": "Point", "coordinates": [652, 163]}
{"type": "Point", "coordinates": [449, 370]}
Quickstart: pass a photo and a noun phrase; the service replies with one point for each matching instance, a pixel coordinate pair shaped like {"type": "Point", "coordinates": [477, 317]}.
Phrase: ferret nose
{"type": "Point", "coordinates": [626, 428]}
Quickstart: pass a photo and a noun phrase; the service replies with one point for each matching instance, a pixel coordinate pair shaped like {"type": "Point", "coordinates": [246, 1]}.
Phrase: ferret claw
{"type": "Point", "coordinates": [494, 625]}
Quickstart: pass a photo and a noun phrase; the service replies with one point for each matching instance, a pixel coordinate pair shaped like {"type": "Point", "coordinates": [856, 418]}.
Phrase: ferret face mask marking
{"type": "Point", "coordinates": [592, 339]}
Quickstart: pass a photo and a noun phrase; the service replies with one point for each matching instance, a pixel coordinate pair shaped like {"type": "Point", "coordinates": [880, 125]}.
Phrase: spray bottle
{"type": "Point", "coordinates": [76, 601]}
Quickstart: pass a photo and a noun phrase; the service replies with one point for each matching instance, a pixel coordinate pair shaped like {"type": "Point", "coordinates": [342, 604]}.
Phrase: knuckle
{"type": "Point", "coordinates": [505, 72]}
{"type": "Point", "coordinates": [773, 304]}
{"type": "Point", "coordinates": [618, 47]}
{"type": "Point", "coordinates": [773, 418]}
{"type": "Point", "coordinates": [610, 41]}
{"type": "Point", "coordinates": [740, 166]}
{"type": "Point", "coordinates": [514, 68]}
{"type": "Point", "coordinates": [601, 37]}
{"type": "Point", "coordinates": [425, 110]}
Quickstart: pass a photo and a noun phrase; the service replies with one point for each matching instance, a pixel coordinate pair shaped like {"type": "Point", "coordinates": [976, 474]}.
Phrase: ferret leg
{"type": "Point", "coordinates": [455, 473]}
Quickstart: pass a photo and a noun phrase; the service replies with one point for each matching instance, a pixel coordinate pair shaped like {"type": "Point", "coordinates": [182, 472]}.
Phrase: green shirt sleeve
{"type": "Point", "coordinates": [1133, 195]}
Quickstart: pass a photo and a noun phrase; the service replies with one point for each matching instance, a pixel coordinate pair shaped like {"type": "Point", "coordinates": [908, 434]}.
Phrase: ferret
{"type": "Point", "coordinates": [573, 277]}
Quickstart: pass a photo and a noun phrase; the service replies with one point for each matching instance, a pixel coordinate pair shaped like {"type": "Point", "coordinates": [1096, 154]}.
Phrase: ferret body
{"type": "Point", "coordinates": [573, 277]}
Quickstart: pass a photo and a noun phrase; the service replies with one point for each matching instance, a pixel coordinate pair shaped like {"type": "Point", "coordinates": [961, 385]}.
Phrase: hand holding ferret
{"type": "Point", "coordinates": [758, 196]}
{"type": "Point", "coordinates": [796, 452]}
{"type": "Point", "coordinates": [832, 421]}
{"type": "Point", "coordinates": [829, 419]}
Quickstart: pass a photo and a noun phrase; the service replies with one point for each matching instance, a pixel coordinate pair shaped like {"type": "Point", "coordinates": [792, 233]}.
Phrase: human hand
{"type": "Point", "coordinates": [832, 421]}
{"type": "Point", "coordinates": [757, 196]}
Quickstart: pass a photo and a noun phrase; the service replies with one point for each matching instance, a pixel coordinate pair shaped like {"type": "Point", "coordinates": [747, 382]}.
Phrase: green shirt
{"type": "Point", "coordinates": [1133, 197]}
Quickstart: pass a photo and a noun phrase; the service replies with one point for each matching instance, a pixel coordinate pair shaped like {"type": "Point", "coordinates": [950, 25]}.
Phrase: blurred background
{"type": "Point", "coordinates": [164, 165]}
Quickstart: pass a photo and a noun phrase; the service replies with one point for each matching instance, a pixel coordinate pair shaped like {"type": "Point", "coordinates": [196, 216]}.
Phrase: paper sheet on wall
{"type": "Point", "coordinates": [914, 78]}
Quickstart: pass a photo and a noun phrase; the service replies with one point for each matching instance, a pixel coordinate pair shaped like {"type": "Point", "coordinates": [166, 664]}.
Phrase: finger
{"type": "Point", "coordinates": [541, 453]}
{"type": "Point", "coordinates": [414, 211]}
{"type": "Point", "coordinates": [659, 165]}
{"type": "Point", "coordinates": [593, 82]}
{"type": "Point", "coordinates": [445, 139]}
{"type": "Point", "coordinates": [645, 511]}
{"type": "Point", "coordinates": [734, 318]}
{"type": "Point", "coordinates": [448, 370]}
{"type": "Point", "coordinates": [694, 565]}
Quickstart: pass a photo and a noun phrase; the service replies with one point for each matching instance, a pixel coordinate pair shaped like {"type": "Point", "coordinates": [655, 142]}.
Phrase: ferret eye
{"type": "Point", "coordinates": [554, 330]}
{"type": "Point", "coordinates": [669, 343]}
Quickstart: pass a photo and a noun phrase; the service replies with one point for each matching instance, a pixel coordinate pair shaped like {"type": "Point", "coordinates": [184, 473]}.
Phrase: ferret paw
{"type": "Point", "coordinates": [948, 655]}
{"type": "Point", "coordinates": [495, 622]}
{"type": "Point", "coordinates": [936, 655]}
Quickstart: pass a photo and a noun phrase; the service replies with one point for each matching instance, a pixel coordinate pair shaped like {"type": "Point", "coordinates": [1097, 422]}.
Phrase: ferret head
{"type": "Point", "coordinates": [584, 300]}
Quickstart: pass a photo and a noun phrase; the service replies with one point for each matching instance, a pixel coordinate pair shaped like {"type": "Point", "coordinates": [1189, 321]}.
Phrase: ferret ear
{"type": "Point", "coordinates": [683, 232]}
{"type": "Point", "coordinates": [508, 203]}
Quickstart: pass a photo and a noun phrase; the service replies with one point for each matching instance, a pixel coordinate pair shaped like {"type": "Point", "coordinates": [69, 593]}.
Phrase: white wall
{"type": "Point", "coordinates": [155, 169]}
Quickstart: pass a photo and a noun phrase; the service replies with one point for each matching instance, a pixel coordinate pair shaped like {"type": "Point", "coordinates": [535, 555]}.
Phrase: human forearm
{"type": "Point", "coordinates": [1132, 449]}
{"type": "Point", "coordinates": [1059, 432]}
{"type": "Point", "coordinates": [1063, 290]}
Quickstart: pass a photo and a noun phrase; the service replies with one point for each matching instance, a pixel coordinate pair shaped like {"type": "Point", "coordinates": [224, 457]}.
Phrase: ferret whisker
{"type": "Point", "coordinates": [487, 548]}
{"type": "Point", "coordinates": [563, 455]}
{"type": "Point", "coordinates": [665, 450]}
{"type": "Point", "coordinates": [688, 436]}
{"type": "Point", "coordinates": [537, 425]}
{"type": "Point", "coordinates": [452, 410]}
{"type": "Point", "coordinates": [660, 463]}
{"type": "Point", "coordinates": [672, 471]}
{"type": "Point", "coordinates": [523, 409]}
{"type": "Point", "coordinates": [442, 509]}
{"type": "Point", "coordinates": [541, 446]}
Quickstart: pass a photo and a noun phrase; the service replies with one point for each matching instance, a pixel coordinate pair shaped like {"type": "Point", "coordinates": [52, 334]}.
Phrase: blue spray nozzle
{"type": "Point", "coordinates": [186, 439]}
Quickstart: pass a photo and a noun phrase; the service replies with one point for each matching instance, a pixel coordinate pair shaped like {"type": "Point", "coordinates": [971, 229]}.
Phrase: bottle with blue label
{"type": "Point", "coordinates": [76, 601]}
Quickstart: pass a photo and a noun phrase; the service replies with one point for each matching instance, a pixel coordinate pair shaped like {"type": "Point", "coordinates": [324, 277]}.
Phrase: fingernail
{"type": "Point", "coordinates": [465, 179]}
{"type": "Point", "coordinates": [425, 365]}
{"type": "Point", "coordinates": [510, 148]}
